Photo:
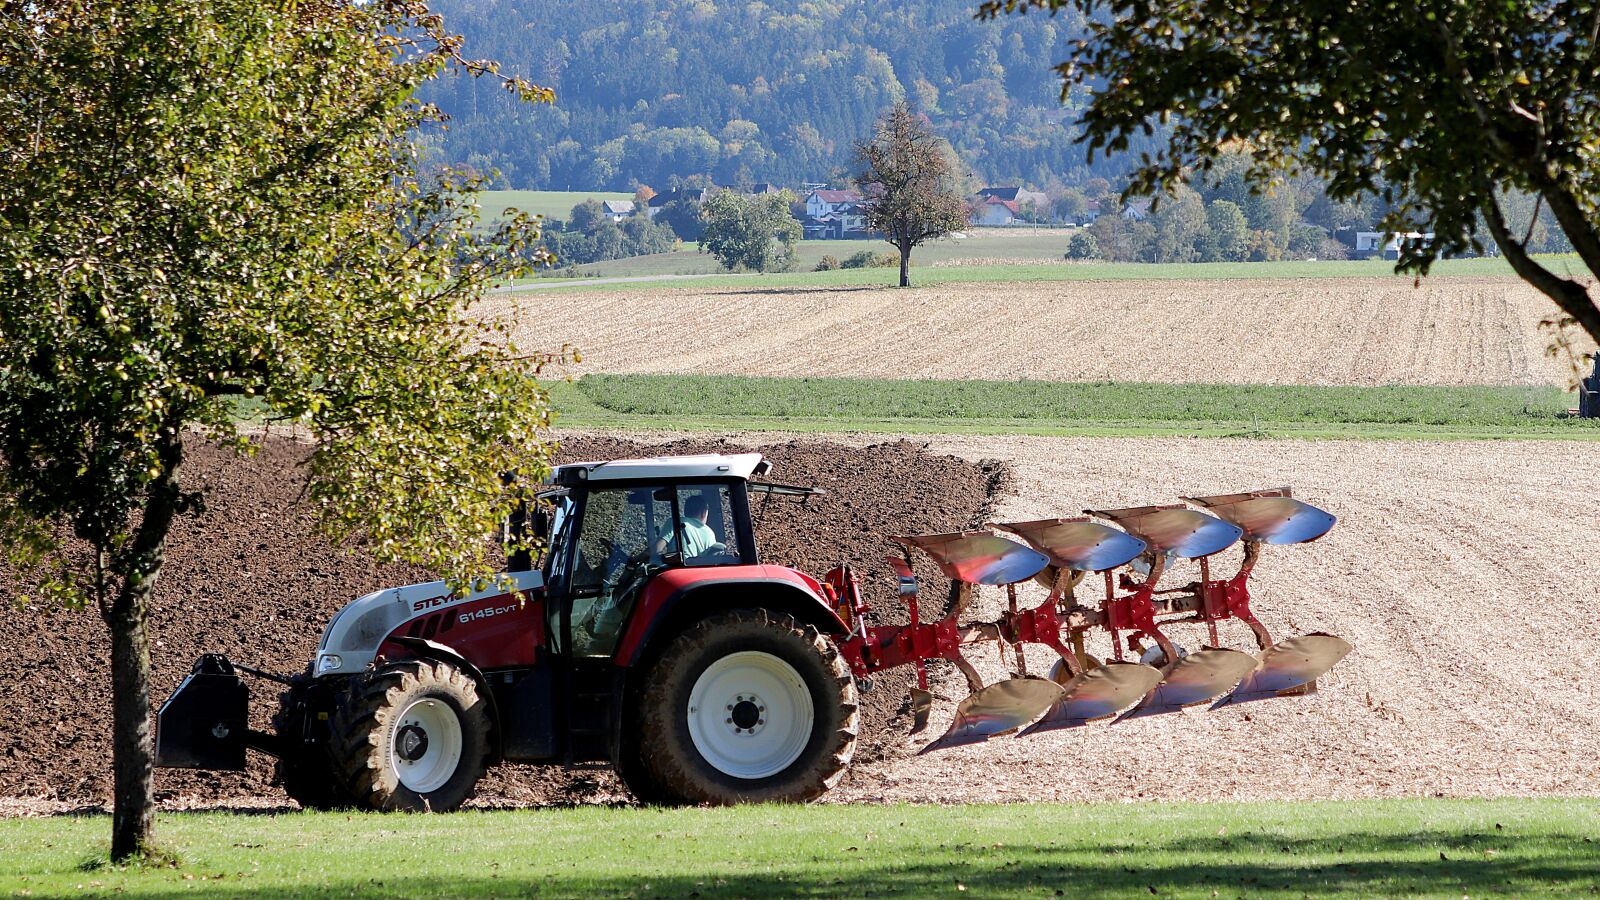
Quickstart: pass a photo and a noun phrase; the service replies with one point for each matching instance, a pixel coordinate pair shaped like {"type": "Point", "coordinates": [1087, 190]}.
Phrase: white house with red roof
{"type": "Point", "coordinates": [992, 211]}
{"type": "Point", "coordinates": [819, 203]}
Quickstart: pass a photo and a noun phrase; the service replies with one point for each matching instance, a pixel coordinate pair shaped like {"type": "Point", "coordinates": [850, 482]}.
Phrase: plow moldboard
{"type": "Point", "coordinates": [1196, 678]}
{"type": "Point", "coordinates": [996, 709]}
{"type": "Point", "coordinates": [1288, 665]}
{"type": "Point", "coordinates": [1099, 693]}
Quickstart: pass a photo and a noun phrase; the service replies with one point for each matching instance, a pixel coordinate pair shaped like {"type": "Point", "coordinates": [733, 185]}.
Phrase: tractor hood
{"type": "Point", "coordinates": [353, 636]}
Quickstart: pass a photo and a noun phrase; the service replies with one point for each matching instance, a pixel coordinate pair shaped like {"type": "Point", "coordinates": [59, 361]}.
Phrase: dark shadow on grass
{"type": "Point", "coordinates": [1250, 865]}
{"type": "Point", "coordinates": [101, 812]}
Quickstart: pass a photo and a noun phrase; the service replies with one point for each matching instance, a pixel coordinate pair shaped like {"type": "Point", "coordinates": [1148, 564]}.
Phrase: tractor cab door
{"type": "Point", "coordinates": [607, 556]}
{"type": "Point", "coordinates": [620, 537]}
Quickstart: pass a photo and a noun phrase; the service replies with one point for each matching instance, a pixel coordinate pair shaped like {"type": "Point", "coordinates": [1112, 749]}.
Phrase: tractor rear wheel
{"type": "Point", "coordinates": [411, 736]}
{"type": "Point", "coordinates": [746, 705]}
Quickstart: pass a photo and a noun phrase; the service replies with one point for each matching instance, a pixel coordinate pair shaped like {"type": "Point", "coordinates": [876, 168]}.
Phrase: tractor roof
{"type": "Point", "coordinates": [706, 465]}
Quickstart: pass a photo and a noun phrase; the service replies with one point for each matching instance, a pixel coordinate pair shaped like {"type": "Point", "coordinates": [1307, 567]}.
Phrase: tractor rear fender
{"type": "Point", "coordinates": [425, 649]}
{"type": "Point", "coordinates": [678, 597]}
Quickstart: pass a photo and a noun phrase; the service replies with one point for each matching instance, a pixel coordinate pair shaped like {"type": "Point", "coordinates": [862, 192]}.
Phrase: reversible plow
{"type": "Point", "coordinates": [1148, 672]}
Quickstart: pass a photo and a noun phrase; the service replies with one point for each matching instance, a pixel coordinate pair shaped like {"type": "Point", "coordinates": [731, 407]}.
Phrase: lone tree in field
{"type": "Point", "coordinates": [750, 233]}
{"type": "Point", "coordinates": [209, 212]}
{"type": "Point", "coordinates": [910, 184]}
{"type": "Point", "coordinates": [1443, 108]}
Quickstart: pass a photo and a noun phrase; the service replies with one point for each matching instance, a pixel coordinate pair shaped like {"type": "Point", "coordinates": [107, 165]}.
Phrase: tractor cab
{"type": "Point", "coordinates": [634, 551]}
{"type": "Point", "coordinates": [613, 527]}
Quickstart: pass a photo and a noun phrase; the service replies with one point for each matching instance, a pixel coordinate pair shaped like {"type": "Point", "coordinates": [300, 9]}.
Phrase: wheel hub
{"type": "Point", "coordinates": [750, 714]}
{"type": "Point", "coordinates": [426, 744]}
{"type": "Point", "coordinates": [412, 742]}
{"type": "Point", "coordinates": [746, 714]}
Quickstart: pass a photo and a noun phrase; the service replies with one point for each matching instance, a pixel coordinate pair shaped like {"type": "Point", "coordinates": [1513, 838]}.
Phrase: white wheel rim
{"type": "Point", "coordinates": [425, 745]}
{"type": "Point", "coordinates": [750, 715]}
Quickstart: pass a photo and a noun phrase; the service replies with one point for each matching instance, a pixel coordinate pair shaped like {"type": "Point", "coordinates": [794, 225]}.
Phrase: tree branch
{"type": "Point", "coordinates": [1572, 297]}
{"type": "Point", "coordinates": [1579, 230]}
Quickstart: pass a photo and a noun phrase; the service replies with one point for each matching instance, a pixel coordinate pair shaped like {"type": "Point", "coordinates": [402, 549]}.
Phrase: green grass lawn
{"type": "Point", "coordinates": [550, 204]}
{"type": "Point", "coordinates": [690, 263]}
{"type": "Point", "coordinates": [1433, 848]}
{"type": "Point", "coordinates": [1037, 407]}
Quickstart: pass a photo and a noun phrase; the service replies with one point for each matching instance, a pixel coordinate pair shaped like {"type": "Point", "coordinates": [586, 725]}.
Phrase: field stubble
{"type": "Point", "coordinates": [1353, 331]}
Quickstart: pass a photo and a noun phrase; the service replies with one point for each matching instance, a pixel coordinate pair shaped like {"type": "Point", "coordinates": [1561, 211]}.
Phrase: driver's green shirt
{"type": "Point", "coordinates": [697, 538]}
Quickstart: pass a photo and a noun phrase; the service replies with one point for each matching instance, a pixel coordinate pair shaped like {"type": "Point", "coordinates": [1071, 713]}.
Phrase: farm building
{"type": "Point", "coordinates": [993, 211]}
{"type": "Point", "coordinates": [695, 195]}
{"type": "Point", "coordinates": [617, 210]}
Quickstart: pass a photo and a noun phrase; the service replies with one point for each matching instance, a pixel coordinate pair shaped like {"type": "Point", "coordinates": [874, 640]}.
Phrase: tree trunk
{"type": "Point", "coordinates": [132, 757]}
{"type": "Point", "coordinates": [905, 265]}
{"type": "Point", "coordinates": [132, 749]}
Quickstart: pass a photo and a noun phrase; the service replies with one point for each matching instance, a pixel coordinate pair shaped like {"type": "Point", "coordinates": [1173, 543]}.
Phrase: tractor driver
{"type": "Point", "coordinates": [695, 537]}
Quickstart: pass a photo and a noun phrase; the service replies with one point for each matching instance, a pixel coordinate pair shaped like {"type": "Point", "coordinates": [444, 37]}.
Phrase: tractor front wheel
{"type": "Point", "coordinates": [746, 705]}
{"type": "Point", "coordinates": [411, 736]}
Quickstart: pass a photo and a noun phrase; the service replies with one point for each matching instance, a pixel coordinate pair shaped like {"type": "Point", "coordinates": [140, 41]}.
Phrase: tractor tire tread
{"type": "Point", "coordinates": [360, 723]}
{"type": "Point", "coordinates": [665, 768]}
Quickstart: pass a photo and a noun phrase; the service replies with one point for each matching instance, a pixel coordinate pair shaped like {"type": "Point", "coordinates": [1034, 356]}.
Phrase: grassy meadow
{"type": "Point", "coordinates": [550, 204]}
{"type": "Point", "coordinates": [1091, 408]}
{"type": "Point", "coordinates": [704, 274]}
{"type": "Point", "coordinates": [1421, 848]}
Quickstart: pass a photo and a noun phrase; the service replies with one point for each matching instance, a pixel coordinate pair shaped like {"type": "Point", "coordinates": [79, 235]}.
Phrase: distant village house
{"type": "Point", "coordinates": [993, 212]}
{"type": "Point", "coordinates": [617, 210]}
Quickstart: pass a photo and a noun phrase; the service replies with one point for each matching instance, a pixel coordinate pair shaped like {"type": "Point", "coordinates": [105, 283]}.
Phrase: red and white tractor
{"type": "Point", "coordinates": [653, 638]}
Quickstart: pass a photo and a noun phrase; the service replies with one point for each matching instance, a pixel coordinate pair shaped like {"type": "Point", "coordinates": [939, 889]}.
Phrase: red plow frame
{"type": "Point", "coordinates": [1134, 611]}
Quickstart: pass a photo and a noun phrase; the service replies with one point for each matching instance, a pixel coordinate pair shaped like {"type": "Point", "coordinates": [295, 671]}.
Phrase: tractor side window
{"type": "Point", "coordinates": [706, 536]}
{"type": "Point", "coordinates": [613, 561]}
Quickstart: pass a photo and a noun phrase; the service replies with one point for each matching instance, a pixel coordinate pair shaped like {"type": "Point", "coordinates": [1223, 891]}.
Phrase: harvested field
{"type": "Point", "coordinates": [1348, 331]}
{"type": "Point", "coordinates": [251, 579]}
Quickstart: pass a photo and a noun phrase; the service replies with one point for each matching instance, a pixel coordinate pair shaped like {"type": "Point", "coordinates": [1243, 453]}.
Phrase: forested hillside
{"type": "Point", "coordinates": [650, 90]}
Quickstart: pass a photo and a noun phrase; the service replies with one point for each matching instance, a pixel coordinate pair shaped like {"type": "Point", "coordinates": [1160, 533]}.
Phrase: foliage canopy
{"type": "Point", "coordinates": [911, 184]}
{"type": "Point", "coordinates": [753, 233]}
{"type": "Point", "coordinates": [215, 203]}
{"type": "Point", "coordinates": [1441, 107]}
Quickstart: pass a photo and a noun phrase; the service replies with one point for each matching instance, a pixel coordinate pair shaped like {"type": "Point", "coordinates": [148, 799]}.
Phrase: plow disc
{"type": "Point", "coordinates": [1196, 678]}
{"type": "Point", "coordinates": [1001, 707]}
{"type": "Point", "coordinates": [1288, 666]}
{"type": "Point", "coordinates": [1099, 693]}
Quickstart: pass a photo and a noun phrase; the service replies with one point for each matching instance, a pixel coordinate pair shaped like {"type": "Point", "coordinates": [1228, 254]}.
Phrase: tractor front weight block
{"type": "Point", "coordinates": [205, 724]}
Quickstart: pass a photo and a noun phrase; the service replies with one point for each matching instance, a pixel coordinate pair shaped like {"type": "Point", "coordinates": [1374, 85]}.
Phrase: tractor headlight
{"type": "Point", "coordinates": [329, 662]}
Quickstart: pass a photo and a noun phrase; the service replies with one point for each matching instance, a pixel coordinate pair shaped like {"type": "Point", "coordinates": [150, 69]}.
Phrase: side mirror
{"type": "Point", "coordinates": [525, 525]}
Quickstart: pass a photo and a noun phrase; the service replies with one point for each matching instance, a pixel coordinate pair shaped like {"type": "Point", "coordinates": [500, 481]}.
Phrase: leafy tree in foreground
{"type": "Point", "coordinates": [213, 202]}
{"type": "Point", "coordinates": [750, 233]}
{"type": "Point", "coordinates": [911, 184]}
{"type": "Point", "coordinates": [1439, 106]}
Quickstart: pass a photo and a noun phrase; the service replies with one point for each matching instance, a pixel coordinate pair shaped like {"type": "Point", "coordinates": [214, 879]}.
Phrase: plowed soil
{"type": "Point", "coordinates": [251, 579]}
{"type": "Point", "coordinates": [1346, 331]}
